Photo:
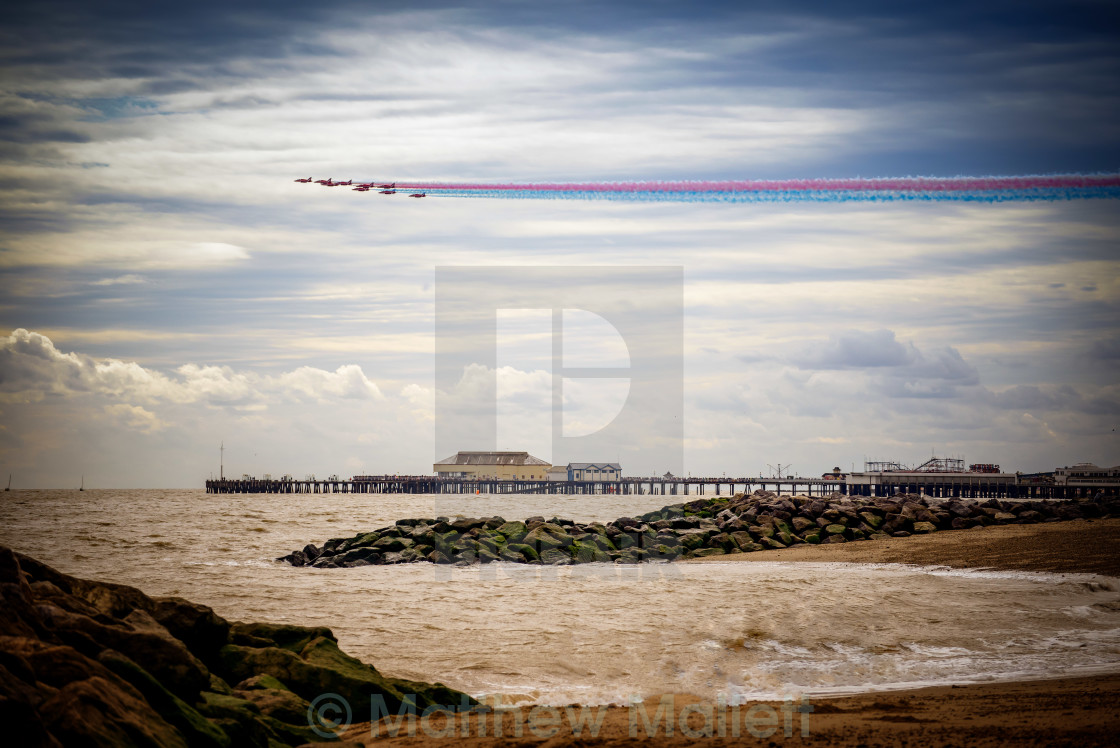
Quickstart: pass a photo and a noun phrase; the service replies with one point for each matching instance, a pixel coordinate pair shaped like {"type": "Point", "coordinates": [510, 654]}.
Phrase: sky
{"type": "Point", "coordinates": [166, 288]}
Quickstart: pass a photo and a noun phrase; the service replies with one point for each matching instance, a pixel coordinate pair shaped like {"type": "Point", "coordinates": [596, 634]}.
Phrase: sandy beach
{"type": "Point", "coordinates": [1081, 546]}
{"type": "Point", "coordinates": [1081, 711]}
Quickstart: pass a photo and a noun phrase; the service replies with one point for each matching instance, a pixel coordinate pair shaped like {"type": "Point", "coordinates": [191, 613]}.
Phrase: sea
{"type": "Point", "coordinates": [589, 634]}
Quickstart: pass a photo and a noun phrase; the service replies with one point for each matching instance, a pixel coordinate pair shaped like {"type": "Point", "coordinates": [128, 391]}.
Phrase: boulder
{"type": "Point", "coordinates": [873, 520]}
{"type": "Point", "coordinates": [388, 544]}
{"type": "Point", "coordinates": [513, 531]}
{"type": "Point", "coordinates": [801, 524]}
{"type": "Point", "coordinates": [278, 703]}
{"type": "Point", "coordinates": [202, 630]}
{"type": "Point", "coordinates": [321, 667]}
{"type": "Point", "coordinates": [555, 556]}
{"type": "Point", "coordinates": [438, 557]}
{"type": "Point", "coordinates": [528, 552]}
{"type": "Point", "coordinates": [96, 712]}
{"type": "Point", "coordinates": [693, 539]}
{"type": "Point", "coordinates": [196, 729]}
{"type": "Point", "coordinates": [361, 556]}
{"type": "Point", "coordinates": [548, 536]}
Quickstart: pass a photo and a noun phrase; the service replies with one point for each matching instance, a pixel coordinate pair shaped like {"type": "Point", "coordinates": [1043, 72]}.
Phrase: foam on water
{"type": "Point", "coordinates": [596, 633]}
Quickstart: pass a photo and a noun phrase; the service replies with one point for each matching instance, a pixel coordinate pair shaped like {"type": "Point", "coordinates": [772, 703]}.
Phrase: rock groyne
{"type": "Point", "coordinates": [92, 663]}
{"type": "Point", "coordinates": [705, 527]}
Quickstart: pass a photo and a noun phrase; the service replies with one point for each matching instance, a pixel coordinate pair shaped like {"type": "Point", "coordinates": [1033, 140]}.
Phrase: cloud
{"type": "Point", "coordinates": [130, 279]}
{"type": "Point", "coordinates": [31, 368]}
{"type": "Point", "coordinates": [136, 418]}
{"type": "Point", "coordinates": [858, 349]}
{"type": "Point", "coordinates": [892, 367]}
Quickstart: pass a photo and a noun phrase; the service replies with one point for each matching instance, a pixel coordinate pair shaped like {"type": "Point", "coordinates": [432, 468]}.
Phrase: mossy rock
{"type": "Point", "coordinates": [392, 545]}
{"type": "Point", "coordinates": [226, 705]}
{"type": "Point", "coordinates": [426, 537]}
{"type": "Point", "coordinates": [772, 544]}
{"type": "Point", "coordinates": [555, 556]}
{"type": "Point", "coordinates": [438, 557]}
{"type": "Point", "coordinates": [361, 541]}
{"type": "Point", "coordinates": [812, 537]}
{"type": "Point", "coordinates": [582, 553]}
{"type": "Point", "coordinates": [198, 730]}
{"type": "Point", "coordinates": [801, 524]}
{"type": "Point", "coordinates": [835, 529]}
{"type": "Point", "coordinates": [541, 538]}
{"type": "Point", "coordinates": [704, 552]}
{"type": "Point", "coordinates": [873, 520]}
{"type": "Point", "coordinates": [258, 682]}
{"type": "Point", "coordinates": [924, 527]}
{"type": "Point", "coordinates": [513, 531]}
{"type": "Point", "coordinates": [741, 538]}
{"type": "Point", "coordinates": [218, 685]}
{"type": "Point", "coordinates": [528, 551]}
{"type": "Point", "coordinates": [692, 541]}
{"type": "Point", "coordinates": [286, 636]}
{"type": "Point", "coordinates": [512, 556]}
{"type": "Point", "coordinates": [321, 667]}
{"type": "Point", "coordinates": [490, 543]}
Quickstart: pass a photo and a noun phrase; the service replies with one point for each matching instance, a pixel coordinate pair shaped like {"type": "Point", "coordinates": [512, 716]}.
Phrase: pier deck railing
{"type": "Point", "coordinates": [937, 485]}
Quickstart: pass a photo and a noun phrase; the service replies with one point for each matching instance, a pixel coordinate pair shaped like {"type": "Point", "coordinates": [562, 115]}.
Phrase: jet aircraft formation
{"type": "Point", "coordinates": [1027, 188]}
{"type": "Point", "coordinates": [382, 189]}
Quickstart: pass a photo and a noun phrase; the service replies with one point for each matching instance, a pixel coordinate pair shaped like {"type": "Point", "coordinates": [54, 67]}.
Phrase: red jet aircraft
{"type": "Point", "coordinates": [304, 180]}
{"type": "Point", "coordinates": [418, 194]}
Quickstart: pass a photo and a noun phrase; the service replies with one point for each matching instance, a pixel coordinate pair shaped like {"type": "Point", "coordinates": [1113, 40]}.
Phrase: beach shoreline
{"type": "Point", "coordinates": [1080, 710]}
{"type": "Point", "coordinates": [1076, 711]}
{"type": "Point", "coordinates": [1090, 546]}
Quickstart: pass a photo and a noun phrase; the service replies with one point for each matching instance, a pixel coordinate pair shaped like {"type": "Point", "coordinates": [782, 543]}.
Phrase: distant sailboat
{"type": "Point", "coordinates": [83, 486]}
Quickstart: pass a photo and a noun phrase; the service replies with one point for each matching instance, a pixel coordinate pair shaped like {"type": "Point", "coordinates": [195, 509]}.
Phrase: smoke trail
{"type": "Point", "coordinates": [913, 189]}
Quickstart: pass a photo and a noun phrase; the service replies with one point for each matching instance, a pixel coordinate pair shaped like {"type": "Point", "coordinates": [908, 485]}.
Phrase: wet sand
{"type": "Point", "coordinates": [1081, 711]}
{"type": "Point", "coordinates": [1081, 546]}
{"type": "Point", "coordinates": [1069, 712]}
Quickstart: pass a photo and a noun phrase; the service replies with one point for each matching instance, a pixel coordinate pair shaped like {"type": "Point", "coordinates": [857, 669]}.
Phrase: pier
{"type": "Point", "coordinates": [936, 485]}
